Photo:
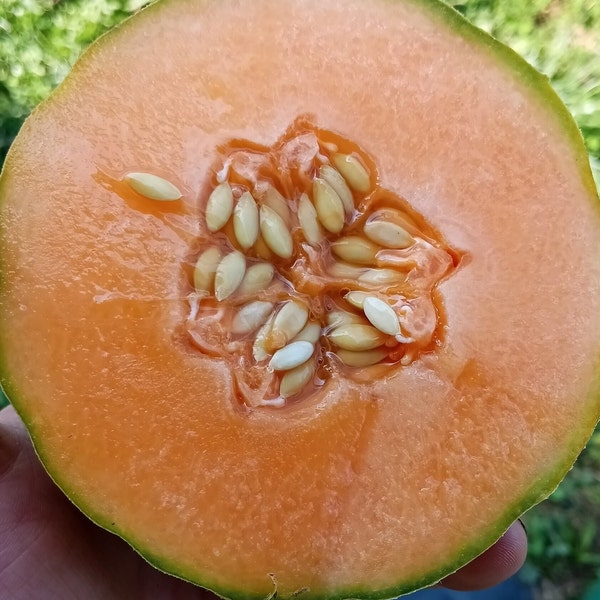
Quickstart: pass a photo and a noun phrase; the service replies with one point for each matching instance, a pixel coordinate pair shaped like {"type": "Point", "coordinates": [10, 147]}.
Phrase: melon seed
{"type": "Point", "coordinates": [152, 186]}
{"type": "Point", "coordinates": [345, 271]}
{"type": "Point", "coordinates": [307, 217]}
{"type": "Point", "coordinates": [338, 183]}
{"type": "Point", "coordinates": [353, 171]}
{"type": "Point", "coordinates": [291, 356]}
{"type": "Point", "coordinates": [342, 317]}
{"type": "Point", "coordinates": [245, 221]}
{"type": "Point", "coordinates": [385, 233]}
{"type": "Point", "coordinates": [250, 317]}
{"type": "Point", "coordinates": [257, 278]}
{"type": "Point", "coordinates": [380, 277]}
{"type": "Point", "coordinates": [355, 249]}
{"type": "Point", "coordinates": [310, 333]}
{"type": "Point", "coordinates": [219, 207]}
{"type": "Point", "coordinates": [296, 379]}
{"type": "Point", "coordinates": [273, 199]}
{"type": "Point", "coordinates": [288, 322]}
{"type": "Point", "coordinates": [357, 337]}
{"type": "Point", "coordinates": [204, 271]}
{"type": "Point", "coordinates": [275, 232]}
{"type": "Point", "coordinates": [259, 347]}
{"type": "Point", "coordinates": [364, 358]}
{"type": "Point", "coordinates": [356, 298]}
{"type": "Point", "coordinates": [328, 205]}
{"type": "Point", "coordinates": [381, 315]}
{"type": "Point", "coordinates": [229, 274]}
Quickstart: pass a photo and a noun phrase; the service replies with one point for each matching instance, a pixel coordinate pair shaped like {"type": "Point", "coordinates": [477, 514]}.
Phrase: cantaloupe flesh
{"type": "Point", "coordinates": [364, 489]}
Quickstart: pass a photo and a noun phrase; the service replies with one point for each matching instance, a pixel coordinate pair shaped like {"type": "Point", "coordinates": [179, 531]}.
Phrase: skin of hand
{"type": "Point", "coordinates": [51, 551]}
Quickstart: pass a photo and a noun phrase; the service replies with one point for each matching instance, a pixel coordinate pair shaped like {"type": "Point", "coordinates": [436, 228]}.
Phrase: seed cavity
{"type": "Point", "coordinates": [381, 315]}
{"type": "Point", "coordinates": [229, 274]}
{"type": "Point", "coordinates": [275, 232]}
{"type": "Point", "coordinates": [245, 221]}
{"type": "Point", "coordinates": [357, 337]}
{"type": "Point", "coordinates": [291, 356]}
{"type": "Point", "coordinates": [354, 171]}
{"type": "Point", "coordinates": [251, 317]}
{"type": "Point", "coordinates": [153, 187]}
{"type": "Point", "coordinates": [308, 265]}
{"type": "Point", "coordinates": [219, 207]}
{"type": "Point", "coordinates": [329, 206]}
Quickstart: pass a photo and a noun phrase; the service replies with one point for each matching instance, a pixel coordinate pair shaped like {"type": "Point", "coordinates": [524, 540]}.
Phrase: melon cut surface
{"type": "Point", "coordinates": [165, 428]}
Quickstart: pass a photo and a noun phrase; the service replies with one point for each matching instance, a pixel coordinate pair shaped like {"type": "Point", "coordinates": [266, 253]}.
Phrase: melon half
{"type": "Point", "coordinates": [300, 294]}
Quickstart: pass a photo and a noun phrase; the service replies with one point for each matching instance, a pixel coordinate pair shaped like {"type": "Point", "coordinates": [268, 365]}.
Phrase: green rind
{"type": "Point", "coordinates": [551, 103]}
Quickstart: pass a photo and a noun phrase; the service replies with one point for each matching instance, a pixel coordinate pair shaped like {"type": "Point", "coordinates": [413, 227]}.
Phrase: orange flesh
{"type": "Point", "coordinates": [366, 484]}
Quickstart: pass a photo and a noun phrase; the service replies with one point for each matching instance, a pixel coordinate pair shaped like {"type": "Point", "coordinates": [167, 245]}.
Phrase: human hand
{"type": "Point", "coordinates": [50, 551]}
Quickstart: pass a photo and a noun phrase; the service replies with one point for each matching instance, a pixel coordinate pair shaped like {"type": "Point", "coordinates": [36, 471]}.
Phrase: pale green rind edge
{"type": "Point", "coordinates": [545, 484]}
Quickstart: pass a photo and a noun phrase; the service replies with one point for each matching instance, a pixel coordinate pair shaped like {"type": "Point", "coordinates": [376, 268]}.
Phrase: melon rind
{"type": "Point", "coordinates": [540, 489]}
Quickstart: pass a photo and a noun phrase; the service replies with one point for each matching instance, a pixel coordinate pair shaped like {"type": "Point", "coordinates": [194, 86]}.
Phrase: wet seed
{"type": "Point", "coordinates": [152, 186]}
{"type": "Point", "coordinates": [310, 333]}
{"type": "Point", "coordinates": [205, 269]}
{"type": "Point", "coordinates": [250, 317]}
{"type": "Point", "coordinates": [245, 221]}
{"type": "Point", "coordinates": [291, 356]}
{"type": "Point", "coordinates": [366, 358]}
{"type": "Point", "coordinates": [296, 379]}
{"type": "Point", "coordinates": [338, 183]}
{"type": "Point", "coordinates": [275, 232]}
{"type": "Point", "coordinates": [381, 315]}
{"type": "Point", "coordinates": [229, 274]}
{"type": "Point", "coordinates": [259, 348]}
{"type": "Point", "coordinates": [329, 206]}
{"type": "Point", "coordinates": [219, 207]}
{"type": "Point", "coordinates": [288, 322]}
{"type": "Point", "coordinates": [353, 171]}
{"type": "Point", "coordinates": [380, 277]}
{"type": "Point", "coordinates": [273, 199]}
{"type": "Point", "coordinates": [390, 235]}
{"type": "Point", "coordinates": [357, 337]}
{"type": "Point", "coordinates": [307, 217]}
{"type": "Point", "coordinates": [257, 278]}
{"type": "Point", "coordinates": [356, 298]}
{"type": "Point", "coordinates": [345, 271]}
{"type": "Point", "coordinates": [342, 317]}
{"type": "Point", "coordinates": [355, 249]}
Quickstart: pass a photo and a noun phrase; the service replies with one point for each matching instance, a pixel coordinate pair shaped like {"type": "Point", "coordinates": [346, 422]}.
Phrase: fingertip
{"type": "Point", "coordinates": [9, 442]}
{"type": "Point", "coordinates": [498, 563]}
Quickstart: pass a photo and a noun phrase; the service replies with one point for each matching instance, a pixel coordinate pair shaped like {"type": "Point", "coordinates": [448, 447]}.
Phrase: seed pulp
{"type": "Point", "coordinates": [307, 267]}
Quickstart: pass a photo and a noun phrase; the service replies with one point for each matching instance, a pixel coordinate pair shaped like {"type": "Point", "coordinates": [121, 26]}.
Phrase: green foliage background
{"type": "Point", "coordinates": [40, 40]}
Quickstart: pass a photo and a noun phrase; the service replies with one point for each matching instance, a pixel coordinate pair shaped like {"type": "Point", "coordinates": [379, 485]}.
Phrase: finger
{"type": "Point", "coordinates": [495, 565]}
{"type": "Point", "coordinates": [12, 438]}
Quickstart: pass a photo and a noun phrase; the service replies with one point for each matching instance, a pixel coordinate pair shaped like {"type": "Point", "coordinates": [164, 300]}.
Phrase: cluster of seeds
{"type": "Point", "coordinates": [306, 265]}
